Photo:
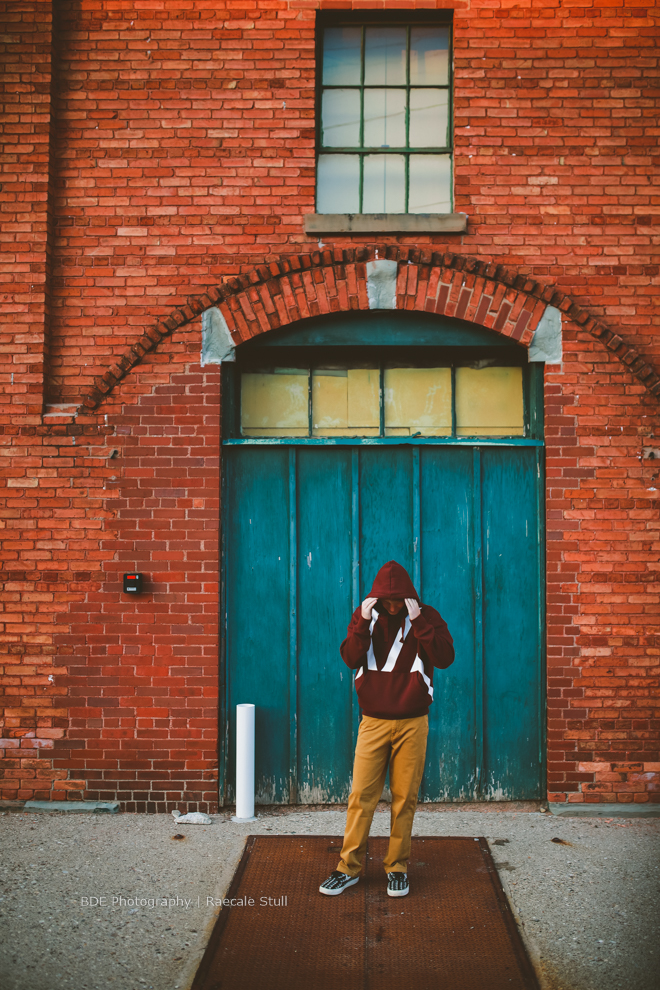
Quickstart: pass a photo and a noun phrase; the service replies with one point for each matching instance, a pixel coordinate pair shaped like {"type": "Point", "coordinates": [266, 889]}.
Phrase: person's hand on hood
{"type": "Point", "coordinates": [413, 608]}
{"type": "Point", "coordinates": [367, 606]}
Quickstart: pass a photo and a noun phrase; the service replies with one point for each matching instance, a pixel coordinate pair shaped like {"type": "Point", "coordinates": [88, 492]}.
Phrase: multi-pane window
{"type": "Point", "coordinates": [390, 399]}
{"type": "Point", "coordinates": [385, 121]}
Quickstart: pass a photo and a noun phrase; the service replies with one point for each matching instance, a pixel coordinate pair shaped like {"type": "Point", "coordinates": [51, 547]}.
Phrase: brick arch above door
{"type": "Point", "coordinates": [333, 281]}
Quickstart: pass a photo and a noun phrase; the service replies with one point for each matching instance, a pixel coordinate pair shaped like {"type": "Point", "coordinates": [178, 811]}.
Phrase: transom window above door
{"type": "Point", "coordinates": [384, 128]}
{"type": "Point", "coordinates": [393, 399]}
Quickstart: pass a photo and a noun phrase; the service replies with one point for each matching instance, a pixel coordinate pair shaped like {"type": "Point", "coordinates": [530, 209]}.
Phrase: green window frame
{"type": "Point", "coordinates": [357, 102]}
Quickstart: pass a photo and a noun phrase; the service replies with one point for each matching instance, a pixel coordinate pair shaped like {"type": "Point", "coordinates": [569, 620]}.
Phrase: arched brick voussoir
{"type": "Point", "coordinates": [454, 285]}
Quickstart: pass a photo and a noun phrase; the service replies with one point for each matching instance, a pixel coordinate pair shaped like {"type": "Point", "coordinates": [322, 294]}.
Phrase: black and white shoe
{"type": "Point", "coordinates": [337, 883]}
{"type": "Point", "coordinates": [397, 884]}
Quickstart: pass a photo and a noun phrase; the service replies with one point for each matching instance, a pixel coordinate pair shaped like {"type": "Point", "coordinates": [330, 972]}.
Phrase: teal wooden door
{"type": "Point", "coordinates": [306, 528]}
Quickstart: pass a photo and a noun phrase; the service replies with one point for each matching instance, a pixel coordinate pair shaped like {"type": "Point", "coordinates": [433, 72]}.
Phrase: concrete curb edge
{"type": "Point", "coordinates": [81, 807]}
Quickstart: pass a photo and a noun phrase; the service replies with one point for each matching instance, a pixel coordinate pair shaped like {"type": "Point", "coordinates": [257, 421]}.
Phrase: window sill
{"type": "Point", "coordinates": [381, 441]}
{"type": "Point", "coordinates": [385, 223]}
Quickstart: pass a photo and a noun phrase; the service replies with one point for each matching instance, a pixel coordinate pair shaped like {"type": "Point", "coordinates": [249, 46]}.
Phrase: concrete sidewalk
{"type": "Point", "coordinates": [587, 906]}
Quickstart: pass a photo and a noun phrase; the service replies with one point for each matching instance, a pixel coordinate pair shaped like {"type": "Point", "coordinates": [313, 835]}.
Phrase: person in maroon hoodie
{"type": "Point", "coordinates": [393, 643]}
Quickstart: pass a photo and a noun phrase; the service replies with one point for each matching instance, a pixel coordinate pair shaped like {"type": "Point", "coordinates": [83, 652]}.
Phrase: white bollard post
{"type": "Point", "coordinates": [244, 764]}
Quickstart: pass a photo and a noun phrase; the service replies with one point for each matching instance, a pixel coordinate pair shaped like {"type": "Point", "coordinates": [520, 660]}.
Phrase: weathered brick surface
{"type": "Point", "coordinates": [26, 196]}
{"type": "Point", "coordinates": [118, 694]}
{"type": "Point", "coordinates": [161, 163]}
{"type": "Point", "coordinates": [602, 578]}
{"type": "Point", "coordinates": [142, 672]}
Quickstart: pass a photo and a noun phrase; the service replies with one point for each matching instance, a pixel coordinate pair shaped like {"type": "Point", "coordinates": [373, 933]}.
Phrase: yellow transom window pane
{"type": "Point", "coordinates": [417, 400]}
{"type": "Point", "coordinates": [489, 402]}
{"type": "Point", "coordinates": [345, 402]}
{"type": "Point", "coordinates": [274, 405]}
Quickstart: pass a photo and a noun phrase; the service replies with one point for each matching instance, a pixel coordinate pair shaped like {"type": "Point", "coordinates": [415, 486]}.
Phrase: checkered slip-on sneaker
{"type": "Point", "coordinates": [397, 884]}
{"type": "Point", "coordinates": [337, 883]}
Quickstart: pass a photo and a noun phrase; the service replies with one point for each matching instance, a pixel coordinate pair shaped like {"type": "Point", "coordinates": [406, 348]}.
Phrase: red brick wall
{"type": "Point", "coordinates": [177, 151]}
{"type": "Point", "coordinates": [602, 580]}
{"type": "Point", "coordinates": [142, 671]}
{"type": "Point", "coordinates": [104, 693]}
{"type": "Point", "coordinates": [26, 230]}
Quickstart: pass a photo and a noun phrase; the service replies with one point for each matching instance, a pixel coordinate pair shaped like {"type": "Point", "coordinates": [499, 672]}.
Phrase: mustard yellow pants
{"type": "Point", "coordinates": [401, 744]}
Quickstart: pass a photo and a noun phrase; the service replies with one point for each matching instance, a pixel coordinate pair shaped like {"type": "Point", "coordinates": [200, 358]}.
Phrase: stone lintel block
{"type": "Point", "coordinates": [385, 223]}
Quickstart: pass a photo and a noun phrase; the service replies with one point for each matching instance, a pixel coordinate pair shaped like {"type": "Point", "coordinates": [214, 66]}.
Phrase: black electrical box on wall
{"type": "Point", "coordinates": [132, 583]}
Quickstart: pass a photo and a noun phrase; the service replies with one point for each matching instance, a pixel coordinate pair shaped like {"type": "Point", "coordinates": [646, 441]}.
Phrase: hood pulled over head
{"type": "Point", "coordinates": [393, 581]}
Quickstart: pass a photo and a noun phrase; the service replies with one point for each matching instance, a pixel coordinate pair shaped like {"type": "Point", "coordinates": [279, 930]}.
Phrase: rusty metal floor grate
{"type": "Point", "coordinates": [454, 931]}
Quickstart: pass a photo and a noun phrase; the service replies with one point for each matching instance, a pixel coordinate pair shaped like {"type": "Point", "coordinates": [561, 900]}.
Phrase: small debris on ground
{"type": "Point", "coordinates": [192, 818]}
